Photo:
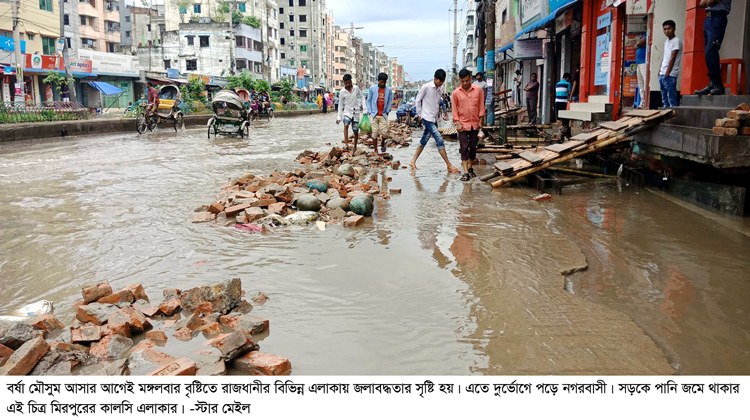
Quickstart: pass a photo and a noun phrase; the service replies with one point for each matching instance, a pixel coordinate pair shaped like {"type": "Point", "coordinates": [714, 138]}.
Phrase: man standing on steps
{"type": "Point", "coordinates": [350, 109]}
{"type": "Point", "coordinates": [562, 94]}
{"type": "Point", "coordinates": [468, 113]}
{"type": "Point", "coordinates": [428, 107]}
{"type": "Point", "coordinates": [670, 65]}
{"type": "Point", "coordinates": [714, 27]}
{"type": "Point", "coordinates": [379, 102]}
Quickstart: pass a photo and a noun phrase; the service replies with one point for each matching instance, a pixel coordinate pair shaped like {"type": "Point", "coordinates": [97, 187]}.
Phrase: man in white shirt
{"type": "Point", "coordinates": [428, 107]}
{"type": "Point", "coordinates": [670, 65]}
{"type": "Point", "coordinates": [350, 109]}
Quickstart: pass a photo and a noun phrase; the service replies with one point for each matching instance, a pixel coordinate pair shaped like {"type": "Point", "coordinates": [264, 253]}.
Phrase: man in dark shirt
{"type": "Point", "coordinates": [714, 27]}
{"type": "Point", "coordinates": [532, 98]}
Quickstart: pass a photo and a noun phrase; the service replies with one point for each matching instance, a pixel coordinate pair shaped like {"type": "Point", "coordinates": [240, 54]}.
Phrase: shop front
{"type": "Point", "coordinates": [118, 70]}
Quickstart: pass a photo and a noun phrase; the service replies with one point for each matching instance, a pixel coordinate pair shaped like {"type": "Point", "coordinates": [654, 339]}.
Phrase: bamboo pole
{"type": "Point", "coordinates": [577, 172]}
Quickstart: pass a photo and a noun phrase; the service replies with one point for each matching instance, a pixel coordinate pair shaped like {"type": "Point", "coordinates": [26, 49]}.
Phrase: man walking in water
{"type": "Point", "coordinates": [379, 102]}
{"type": "Point", "coordinates": [350, 109]}
{"type": "Point", "coordinates": [428, 107]}
{"type": "Point", "coordinates": [468, 113]}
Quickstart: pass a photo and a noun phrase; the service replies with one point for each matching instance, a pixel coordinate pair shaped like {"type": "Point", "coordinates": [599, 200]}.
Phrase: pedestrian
{"type": "Point", "coordinates": [532, 98]}
{"type": "Point", "coordinates": [319, 101]}
{"type": "Point", "coordinates": [65, 93]}
{"type": "Point", "coordinates": [428, 107]}
{"type": "Point", "coordinates": [562, 94]}
{"type": "Point", "coordinates": [325, 103]}
{"type": "Point", "coordinates": [575, 86]}
{"type": "Point", "coordinates": [714, 27]}
{"type": "Point", "coordinates": [379, 103]}
{"type": "Point", "coordinates": [468, 115]}
{"type": "Point", "coordinates": [350, 109]}
{"type": "Point", "coordinates": [670, 65]}
{"type": "Point", "coordinates": [517, 80]}
{"type": "Point", "coordinates": [641, 63]}
{"type": "Point", "coordinates": [336, 102]}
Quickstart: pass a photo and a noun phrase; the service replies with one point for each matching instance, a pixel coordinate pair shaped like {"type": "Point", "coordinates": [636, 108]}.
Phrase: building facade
{"type": "Point", "coordinates": [302, 29]}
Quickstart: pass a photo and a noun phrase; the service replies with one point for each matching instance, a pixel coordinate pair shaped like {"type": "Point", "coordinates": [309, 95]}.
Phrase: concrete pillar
{"type": "Point", "coordinates": [694, 71]}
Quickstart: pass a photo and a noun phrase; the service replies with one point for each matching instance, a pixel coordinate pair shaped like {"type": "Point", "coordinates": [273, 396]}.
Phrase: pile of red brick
{"type": "Point", "coordinates": [737, 122]}
{"type": "Point", "coordinates": [123, 333]}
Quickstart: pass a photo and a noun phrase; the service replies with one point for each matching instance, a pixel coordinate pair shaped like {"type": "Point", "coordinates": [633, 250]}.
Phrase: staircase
{"type": "Point", "coordinates": [597, 109]}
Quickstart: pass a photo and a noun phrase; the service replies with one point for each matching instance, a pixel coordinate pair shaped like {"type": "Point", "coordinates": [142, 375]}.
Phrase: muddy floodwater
{"type": "Point", "coordinates": [446, 278]}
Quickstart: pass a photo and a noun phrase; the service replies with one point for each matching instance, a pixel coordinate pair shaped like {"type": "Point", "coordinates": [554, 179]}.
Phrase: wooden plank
{"type": "Point", "coordinates": [564, 147]}
{"type": "Point", "coordinates": [585, 137]}
{"type": "Point", "coordinates": [531, 157]}
{"type": "Point", "coordinates": [613, 125]}
{"type": "Point", "coordinates": [504, 168]}
{"type": "Point", "coordinates": [503, 157]}
{"type": "Point", "coordinates": [643, 113]}
{"type": "Point", "coordinates": [547, 154]}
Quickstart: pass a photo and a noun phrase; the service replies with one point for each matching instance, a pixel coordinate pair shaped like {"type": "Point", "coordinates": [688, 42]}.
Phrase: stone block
{"type": "Point", "coordinates": [353, 221]}
{"type": "Point", "coordinates": [257, 363]}
{"type": "Point", "coordinates": [223, 296]}
{"type": "Point", "coordinates": [179, 367]}
{"type": "Point", "coordinates": [85, 333]}
{"type": "Point", "coordinates": [47, 322]}
{"type": "Point", "coordinates": [259, 298]}
{"type": "Point", "coordinates": [210, 362]}
{"type": "Point", "coordinates": [93, 292]}
{"type": "Point", "coordinates": [111, 347]}
{"type": "Point", "coordinates": [23, 360]}
{"type": "Point", "coordinates": [95, 313]}
{"type": "Point", "coordinates": [232, 344]}
{"type": "Point", "coordinates": [59, 361]}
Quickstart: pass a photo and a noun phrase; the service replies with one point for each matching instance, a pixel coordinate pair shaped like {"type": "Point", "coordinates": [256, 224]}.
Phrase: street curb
{"type": "Point", "coordinates": [52, 129]}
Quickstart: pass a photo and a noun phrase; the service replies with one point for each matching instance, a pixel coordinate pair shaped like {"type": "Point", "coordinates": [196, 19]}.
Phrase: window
{"type": "Point", "coordinates": [48, 45]}
{"type": "Point", "coordinates": [303, 63]}
{"type": "Point", "coordinates": [191, 64]}
{"type": "Point", "coordinates": [183, 10]}
{"type": "Point", "coordinates": [291, 18]}
{"type": "Point", "coordinates": [148, 27]}
{"type": "Point", "coordinates": [196, 8]}
{"type": "Point", "coordinates": [88, 43]}
{"type": "Point", "coordinates": [291, 62]}
{"type": "Point", "coordinates": [240, 41]}
{"type": "Point", "coordinates": [505, 15]}
{"type": "Point", "coordinates": [283, 56]}
{"type": "Point", "coordinates": [258, 67]}
{"type": "Point", "coordinates": [257, 46]}
{"type": "Point", "coordinates": [291, 32]}
{"type": "Point", "coordinates": [303, 48]}
{"type": "Point", "coordinates": [127, 19]}
{"type": "Point", "coordinates": [110, 47]}
{"type": "Point", "coordinates": [66, 20]}
{"type": "Point", "coordinates": [240, 64]}
{"type": "Point", "coordinates": [282, 41]}
{"type": "Point", "coordinates": [303, 18]}
{"type": "Point", "coordinates": [291, 3]}
{"type": "Point", "coordinates": [45, 5]}
{"type": "Point", "coordinates": [241, 7]}
{"type": "Point", "coordinates": [203, 41]}
{"type": "Point", "coordinates": [127, 34]}
{"type": "Point", "coordinates": [190, 40]}
{"type": "Point", "coordinates": [167, 64]}
{"type": "Point", "coordinates": [281, 10]}
{"type": "Point", "coordinates": [162, 27]}
{"type": "Point", "coordinates": [302, 3]}
{"type": "Point", "coordinates": [83, 20]}
{"type": "Point", "coordinates": [281, 25]}
{"type": "Point", "coordinates": [68, 44]}
{"type": "Point", "coordinates": [303, 33]}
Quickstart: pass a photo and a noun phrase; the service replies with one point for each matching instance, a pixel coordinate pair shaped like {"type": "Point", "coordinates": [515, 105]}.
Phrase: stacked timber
{"type": "Point", "coordinates": [737, 122]}
{"type": "Point", "coordinates": [606, 134]}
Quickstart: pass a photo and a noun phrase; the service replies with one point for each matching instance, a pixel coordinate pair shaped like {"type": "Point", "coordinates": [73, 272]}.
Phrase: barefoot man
{"type": "Point", "coordinates": [428, 106]}
{"type": "Point", "coordinates": [350, 109]}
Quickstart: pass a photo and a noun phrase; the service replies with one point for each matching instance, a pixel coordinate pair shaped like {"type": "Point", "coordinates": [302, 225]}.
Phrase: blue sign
{"type": "Point", "coordinates": [556, 4]}
{"type": "Point", "coordinates": [173, 73]}
{"type": "Point", "coordinates": [601, 70]}
{"type": "Point", "coordinates": [604, 20]}
{"type": "Point", "coordinates": [7, 43]}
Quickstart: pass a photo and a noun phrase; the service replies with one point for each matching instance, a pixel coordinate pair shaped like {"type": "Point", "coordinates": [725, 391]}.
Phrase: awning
{"type": "Point", "coordinates": [505, 48]}
{"type": "Point", "coordinates": [547, 19]}
{"type": "Point", "coordinates": [75, 74]}
{"type": "Point", "coordinates": [105, 88]}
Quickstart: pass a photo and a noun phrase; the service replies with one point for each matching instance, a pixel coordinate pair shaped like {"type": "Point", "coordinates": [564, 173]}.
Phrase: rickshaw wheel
{"type": "Point", "coordinates": [269, 114]}
{"type": "Point", "coordinates": [179, 121]}
{"type": "Point", "coordinates": [140, 123]}
{"type": "Point", "coordinates": [247, 130]}
{"type": "Point", "coordinates": [152, 122]}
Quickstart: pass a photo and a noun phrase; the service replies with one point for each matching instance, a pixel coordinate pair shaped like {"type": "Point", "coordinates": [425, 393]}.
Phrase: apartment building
{"type": "Point", "coordinates": [302, 39]}
{"type": "Point", "coordinates": [92, 25]}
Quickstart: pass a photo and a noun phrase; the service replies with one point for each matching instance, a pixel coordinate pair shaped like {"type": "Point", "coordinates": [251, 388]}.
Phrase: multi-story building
{"type": "Point", "coordinates": [249, 50]}
{"type": "Point", "coordinates": [397, 74]}
{"type": "Point", "coordinates": [341, 56]}
{"type": "Point", "coordinates": [92, 25]}
{"type": "Point", "coordinates": [302, 37]}
{"type": "Point", "coordinates": [39, 26]}
{"type": "Point", "coordinates": [330, 54]}
{"type": "Point", "coordinates": [140, 26]}
{"type": "Point", "coordinates": [470, 49]}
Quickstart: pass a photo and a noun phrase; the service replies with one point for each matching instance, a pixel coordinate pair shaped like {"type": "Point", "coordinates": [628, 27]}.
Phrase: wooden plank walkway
{"type": "Point", "coordinates": [606, 134]}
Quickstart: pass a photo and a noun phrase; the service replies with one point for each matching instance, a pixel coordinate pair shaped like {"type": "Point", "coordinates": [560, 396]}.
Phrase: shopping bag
{"type": "Point", "coordinates": [364, 124]}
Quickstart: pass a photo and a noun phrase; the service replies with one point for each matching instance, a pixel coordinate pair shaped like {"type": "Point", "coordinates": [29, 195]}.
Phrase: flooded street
{"type": "Point", "coordinates": [446, 278]}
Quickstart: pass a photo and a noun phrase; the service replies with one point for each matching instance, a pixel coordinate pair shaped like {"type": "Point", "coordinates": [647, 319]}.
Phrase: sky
{"type": "Point", "coordinates": [418, 32]}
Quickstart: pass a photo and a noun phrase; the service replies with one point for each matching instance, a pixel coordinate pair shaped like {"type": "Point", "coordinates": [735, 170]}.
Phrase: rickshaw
{"type": "Point", "coordinates": [230, 115]}
{"type": "Point", "coordinates": [168, 110]}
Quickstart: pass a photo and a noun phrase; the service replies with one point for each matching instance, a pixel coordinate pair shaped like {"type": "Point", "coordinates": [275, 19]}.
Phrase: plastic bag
{"type": "Point", "coordinates": [364, 124]}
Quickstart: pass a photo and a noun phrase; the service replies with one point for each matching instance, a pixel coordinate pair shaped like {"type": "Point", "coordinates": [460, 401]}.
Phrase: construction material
{"type": "Point", "coordinates": [736, 123]}
{"type": "Point", "coordinates": [529, 162]}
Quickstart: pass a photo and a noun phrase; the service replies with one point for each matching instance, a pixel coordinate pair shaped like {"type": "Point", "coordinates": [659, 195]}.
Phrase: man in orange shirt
{"type": "Point", "coordinates": [468, 116]}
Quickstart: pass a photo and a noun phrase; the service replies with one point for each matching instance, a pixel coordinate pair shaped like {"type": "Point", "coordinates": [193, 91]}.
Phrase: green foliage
{"type": "Point", "coordinates": [286, 87]}
{"type": "Point", "coordinates": [242, 80]}
{"type": "Point", "coordinates": [194, 90]}
{"type": "Point", "coordinates": [251, 21]}
{"type": "Point", "coordinates": [57, 80]}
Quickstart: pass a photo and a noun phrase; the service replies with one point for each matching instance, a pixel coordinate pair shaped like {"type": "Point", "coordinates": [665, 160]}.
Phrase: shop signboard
{"type": "Point", "coordinates": [530, 9]}
{"type": "Point", "coordinates": [604, 20]}
{"type": "Point", "coordinates": [83, 66]}
{"type": "Point", "coordinates": [601, 72]}
{"type": "Point", "coordinates": [7, 43]}
{"type": "Point", "coordinates": [526, 49]}
{"type": "Point", "coordinates": [110, 63]}
{"type": "Point", "coordinates": [42, 62]}
{"type": "Point", "coordinates": [630, 78]}
{"type": "Point", "coordinates": [636, 7]}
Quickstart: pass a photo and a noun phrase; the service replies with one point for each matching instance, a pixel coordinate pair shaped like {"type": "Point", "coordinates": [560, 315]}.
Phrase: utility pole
{"type": "Point", "coordinates": [489, 61]}
{"type": "Point", "coordinates": [19, 57]}
{"type": "Point", "coordinates": [455, 42]}
{"type": "Point", "coordinates": [65, 53]}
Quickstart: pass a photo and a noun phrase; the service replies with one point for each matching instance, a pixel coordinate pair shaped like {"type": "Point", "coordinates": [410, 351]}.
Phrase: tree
{"type": "Point", "coordinates": [193, 90]}
{"type": "Point", "coordinates": [243, 80]}
{"type": "Point", "coordinates": [57, 80]}
{"type": "Point", "coordinates": [286, 91]}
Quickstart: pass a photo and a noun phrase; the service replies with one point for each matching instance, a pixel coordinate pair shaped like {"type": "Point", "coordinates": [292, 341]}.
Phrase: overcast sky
{"type": "Point", "coordinates": [417, 32]}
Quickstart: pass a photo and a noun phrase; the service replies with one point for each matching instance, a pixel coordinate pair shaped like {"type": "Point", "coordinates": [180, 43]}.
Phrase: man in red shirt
{"type": "Point", "coordinates": [468, 116]}
{"type": "Point", "coordinates": [152, 99]}
{"type": "Point", "coordinates": [379, 102]}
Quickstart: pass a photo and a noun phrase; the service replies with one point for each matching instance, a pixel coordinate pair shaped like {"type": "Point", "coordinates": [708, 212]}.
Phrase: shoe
{"type": "Point", "coordinates": [472, 174]}
{"type": "Point", "coordinates": [717, 91]}
{"type": "Point", "coordinates": [465, 177]}
{"type": "Point", "coordinates": [705, 91]}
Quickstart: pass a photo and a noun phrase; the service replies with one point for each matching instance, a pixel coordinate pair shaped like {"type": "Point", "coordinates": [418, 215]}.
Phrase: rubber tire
{"type": "Point", "coordinates": [179, 120]}
{"type": "Point", "coordinates": [140, 123]}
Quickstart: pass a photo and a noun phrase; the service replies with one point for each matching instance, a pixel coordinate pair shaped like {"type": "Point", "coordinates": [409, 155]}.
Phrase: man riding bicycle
{"type": "Point", "coordinates": [152, 99]}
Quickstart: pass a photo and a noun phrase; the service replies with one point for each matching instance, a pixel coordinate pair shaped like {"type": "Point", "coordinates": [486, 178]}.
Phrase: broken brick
{"type": "Point", "coordinates": [138, 292]}
{"type": "Point", "coordinates": [257, 363]}
{"type": "Point", "coordinates": [179, 367]}
{"type": "Point", "coordinates": [232, 344]}
{"type": "Point", "coordinates": [170, 306]}
{"type": "Point", "coordinates": [353, 221]}
{"type": "Point", "coordinates": [85, 333]}
{"type": "Point", "coordinates": [23, 360]}
{"type": "Point", "coordinates": [47, 322]}
{"type": "Point", "coordinates": [93, 292]}
{"type": "Point", "coordinates": [123, 296]}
